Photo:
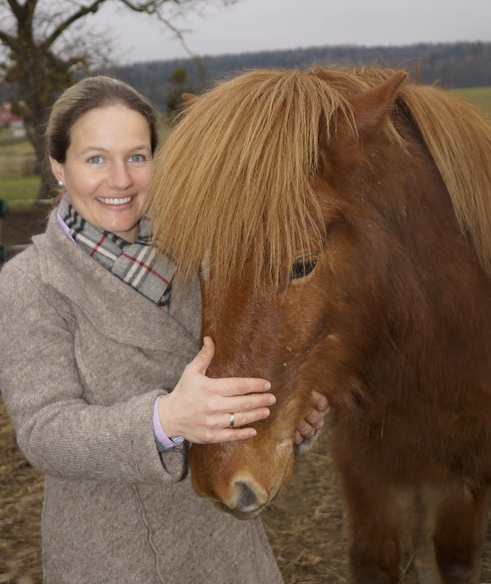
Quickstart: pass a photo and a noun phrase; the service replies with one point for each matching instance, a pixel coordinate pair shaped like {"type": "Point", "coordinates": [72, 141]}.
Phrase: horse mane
{"type": "Point", "coordinates": [236, 176]}
{"type": "Point", "coordinates": [458, 137]}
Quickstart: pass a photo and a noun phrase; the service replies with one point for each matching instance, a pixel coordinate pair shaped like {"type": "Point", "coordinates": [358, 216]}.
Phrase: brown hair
{"type": "Point", "coordinates": [89, 94]}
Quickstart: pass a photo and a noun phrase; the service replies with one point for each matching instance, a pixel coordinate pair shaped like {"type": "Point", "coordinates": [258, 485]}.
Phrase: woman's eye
{"type": "Point", "coordinates": [95, 159]}
{"type": "Point", "coordinates": [303, 266]}
{"type": "Point", "coordinates": [137, 158]}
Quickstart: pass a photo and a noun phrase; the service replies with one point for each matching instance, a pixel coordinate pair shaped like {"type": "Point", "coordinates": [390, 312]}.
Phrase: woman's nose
{"type": "Point", "coordinates": [120, 177]}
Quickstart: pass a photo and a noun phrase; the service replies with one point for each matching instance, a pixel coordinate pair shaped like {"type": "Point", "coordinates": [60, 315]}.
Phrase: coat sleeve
{"type": "Point", "coordinates": [57, 430]}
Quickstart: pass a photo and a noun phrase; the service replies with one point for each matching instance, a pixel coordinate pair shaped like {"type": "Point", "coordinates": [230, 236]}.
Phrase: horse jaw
{"type": "Point", "coordinates": [242, 478]}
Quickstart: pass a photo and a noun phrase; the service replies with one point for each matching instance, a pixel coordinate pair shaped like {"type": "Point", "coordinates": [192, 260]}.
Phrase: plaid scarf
{"type": "Point", "coordinates": [137, 264]}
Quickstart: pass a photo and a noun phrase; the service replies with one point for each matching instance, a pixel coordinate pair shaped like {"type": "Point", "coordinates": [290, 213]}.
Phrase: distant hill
{"type": "Point", "coordinates": [453, 65]}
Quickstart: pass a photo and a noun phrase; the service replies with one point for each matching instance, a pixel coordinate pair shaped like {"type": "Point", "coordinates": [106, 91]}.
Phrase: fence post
{"type": "Point", "coordinates": [5, 250]}
{"type": "Point", "coordinates": [3, 208]}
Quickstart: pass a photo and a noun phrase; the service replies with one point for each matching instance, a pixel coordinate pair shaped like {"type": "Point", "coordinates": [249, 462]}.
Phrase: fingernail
{"type": "Point", "coordinates": [272, 400]}
{"type": "Point", "coordinates": [267, 385]}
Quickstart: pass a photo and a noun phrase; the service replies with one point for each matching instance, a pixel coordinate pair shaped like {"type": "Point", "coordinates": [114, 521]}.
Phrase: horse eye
{"type": "Point", "coordinates": [302, 267]}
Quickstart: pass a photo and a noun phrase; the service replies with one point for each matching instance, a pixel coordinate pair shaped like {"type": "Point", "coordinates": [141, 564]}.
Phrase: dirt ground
{"type": "Point", "coordinates": [304, 526]}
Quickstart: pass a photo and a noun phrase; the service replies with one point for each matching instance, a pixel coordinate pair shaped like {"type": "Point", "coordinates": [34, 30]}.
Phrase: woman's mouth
{"type": "Point", "coordinates": [112, 201]}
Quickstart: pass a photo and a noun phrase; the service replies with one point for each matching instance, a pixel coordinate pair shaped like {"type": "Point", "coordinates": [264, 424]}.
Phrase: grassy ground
{"type": "Point", "coordinates": [18, 190]}
{"type": "Point", "coordinates": [479, 96]}
{"type": "Point", "coordinates": [17, 183]}
{"type": "Point", "coordinates": [16, 156]}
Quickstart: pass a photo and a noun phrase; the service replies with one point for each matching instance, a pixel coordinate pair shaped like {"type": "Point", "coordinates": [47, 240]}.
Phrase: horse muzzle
{"type": "Point", "coordinates": [238, 478]}
{"type": "Point", "coordinates": [244, 498]}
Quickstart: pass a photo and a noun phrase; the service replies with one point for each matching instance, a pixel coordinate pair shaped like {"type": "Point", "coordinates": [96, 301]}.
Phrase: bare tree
{"type": "Point", "coordinates": [46, 43]}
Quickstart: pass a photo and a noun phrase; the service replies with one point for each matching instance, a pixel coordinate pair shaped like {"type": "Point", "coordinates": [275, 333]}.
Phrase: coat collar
{"type": "Point", "coordinates": [113, 307]}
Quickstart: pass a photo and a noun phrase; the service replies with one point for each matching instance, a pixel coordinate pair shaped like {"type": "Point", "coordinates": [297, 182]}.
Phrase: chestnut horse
{"type": "Point", "coordinates": [340, 221]}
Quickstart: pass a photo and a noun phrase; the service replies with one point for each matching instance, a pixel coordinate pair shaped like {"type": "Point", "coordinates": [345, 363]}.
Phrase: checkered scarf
{"type": "Point", "coordinates": [137, 264]}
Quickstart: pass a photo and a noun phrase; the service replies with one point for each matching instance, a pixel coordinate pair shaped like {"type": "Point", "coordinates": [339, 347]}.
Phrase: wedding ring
{"type": "Point", "coordinates": [232, 420]}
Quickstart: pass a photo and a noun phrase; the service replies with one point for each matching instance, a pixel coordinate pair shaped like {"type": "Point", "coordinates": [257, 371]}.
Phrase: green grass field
{"type": "Point", "coordinates": [16, 160]}
{"type": "Point", "coordinates": [479, 96]}
{"type": "Point", "coordinates": [18, 190]}
{"type": "Point", "coordinates": [16, 154]}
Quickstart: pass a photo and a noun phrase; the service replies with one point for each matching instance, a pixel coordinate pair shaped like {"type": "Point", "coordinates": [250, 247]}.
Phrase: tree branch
{"type": "Point", "coordinates": [61, 28]}
{"type": "Point", "coordinates": [149, 7]}
{"type": "Point", "coordinates": [9, 40]}
{"type": "Point", "coordinates": [14, 6]}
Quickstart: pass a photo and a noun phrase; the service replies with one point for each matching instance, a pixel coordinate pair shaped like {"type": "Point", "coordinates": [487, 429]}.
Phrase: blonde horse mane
{"type": "Point", "coordinates": [236, 176]}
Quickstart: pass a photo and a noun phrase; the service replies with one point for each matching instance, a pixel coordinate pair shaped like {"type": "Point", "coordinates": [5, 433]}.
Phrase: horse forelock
{"type": "Point", "coordinates": [236, 177]}
{"type": "Point", "coordinates": [235, 180]}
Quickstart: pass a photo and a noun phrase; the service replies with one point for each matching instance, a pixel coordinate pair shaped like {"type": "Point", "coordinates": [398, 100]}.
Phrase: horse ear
{"type": "Point", "coordinates": [372, 108]}
{"type": "Point", "coordinates": [188, 98]}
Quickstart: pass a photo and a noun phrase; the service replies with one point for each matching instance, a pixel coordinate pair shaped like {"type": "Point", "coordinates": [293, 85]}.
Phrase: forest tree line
{"type": "Point", "coordinates": [452, 65]}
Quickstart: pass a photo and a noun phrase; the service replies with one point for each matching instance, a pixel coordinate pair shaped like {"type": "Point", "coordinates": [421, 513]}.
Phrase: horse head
{"type": "Point", "coordinates": [291, 322]}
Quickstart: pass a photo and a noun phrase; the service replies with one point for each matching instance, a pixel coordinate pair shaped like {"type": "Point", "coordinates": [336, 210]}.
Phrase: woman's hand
{"type": "Point", "coordinates": [199, 408]}
{"type": "Point", "coordinates": [314, 418]}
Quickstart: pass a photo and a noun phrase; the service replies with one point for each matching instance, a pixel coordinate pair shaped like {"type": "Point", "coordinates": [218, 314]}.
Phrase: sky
{"type": "Point", "coordinates": [258, 25]}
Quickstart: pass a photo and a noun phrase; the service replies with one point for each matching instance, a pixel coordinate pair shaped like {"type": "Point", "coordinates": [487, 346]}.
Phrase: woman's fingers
{"type": "Point", "coordinates": [243, 418]}
{"type": "Point", "coordinates": [203, 359]}
{"type": "Point", "coordinates": [320, 402]}
{"type": "Point", "coordinates": [232, 434]}
{"type": "Point", "coordinates": [244, 403]}
{"type": "Point", "coordinates": [229, 387]}
{"type": "Point", "coordinates": [304, 432]}
{"type": "Point", "coordinates": [313, 419]}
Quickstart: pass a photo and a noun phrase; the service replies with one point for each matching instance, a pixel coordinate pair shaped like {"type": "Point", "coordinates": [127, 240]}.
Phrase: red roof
{"type": "Point", "coordinates": [6, 115]}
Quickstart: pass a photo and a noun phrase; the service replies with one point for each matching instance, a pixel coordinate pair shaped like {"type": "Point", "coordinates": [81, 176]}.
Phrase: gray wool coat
{"type": "Point", "coordinates": [82, 358]}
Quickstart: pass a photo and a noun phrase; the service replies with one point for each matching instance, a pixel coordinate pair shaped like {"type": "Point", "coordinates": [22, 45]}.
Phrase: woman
{"type": "Point", "coordinates": [99, 374]}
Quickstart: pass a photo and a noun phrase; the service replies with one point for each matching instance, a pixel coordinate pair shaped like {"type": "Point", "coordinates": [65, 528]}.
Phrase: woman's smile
{"type": "Point", "coordinates": [117, 202]}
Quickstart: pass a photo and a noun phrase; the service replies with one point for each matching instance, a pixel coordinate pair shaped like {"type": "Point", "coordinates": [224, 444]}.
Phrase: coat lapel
{"type": "Point", "coordinates": [113, 307]}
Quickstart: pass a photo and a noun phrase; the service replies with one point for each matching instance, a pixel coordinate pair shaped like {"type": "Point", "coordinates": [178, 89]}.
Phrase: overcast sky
{"type": "Point", "coordinates": [256, 25]}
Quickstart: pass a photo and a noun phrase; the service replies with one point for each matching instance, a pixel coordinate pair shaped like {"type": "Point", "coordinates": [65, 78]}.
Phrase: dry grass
{"type": "Point", "coordinates": [21, 494]}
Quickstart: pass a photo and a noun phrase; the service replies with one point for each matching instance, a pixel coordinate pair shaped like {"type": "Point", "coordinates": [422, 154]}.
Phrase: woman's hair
{"type": "Point", "coordinates": [89, 94]}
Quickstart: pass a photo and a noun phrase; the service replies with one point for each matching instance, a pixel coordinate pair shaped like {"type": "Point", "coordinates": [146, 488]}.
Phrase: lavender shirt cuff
{"type": "Point", "coordinates": [162, 440]}
{"type": "Point", "coordinates": [64, 226]}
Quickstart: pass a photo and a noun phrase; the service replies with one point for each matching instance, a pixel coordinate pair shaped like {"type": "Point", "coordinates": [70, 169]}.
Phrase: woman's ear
{"type": "Point", "coordinates": [57, 169]}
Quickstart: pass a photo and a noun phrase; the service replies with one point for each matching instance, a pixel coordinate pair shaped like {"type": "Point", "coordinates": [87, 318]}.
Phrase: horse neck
{"type": "Point", "coordinates": [437, 293]}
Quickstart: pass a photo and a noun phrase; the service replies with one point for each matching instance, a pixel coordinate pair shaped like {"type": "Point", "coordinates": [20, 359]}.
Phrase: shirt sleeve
{"type": "Point", "coordinates": [163, 441]}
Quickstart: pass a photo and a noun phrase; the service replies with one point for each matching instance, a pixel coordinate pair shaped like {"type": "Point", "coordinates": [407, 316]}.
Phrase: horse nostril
{"type": "Point", "coordinates": [247, 500]}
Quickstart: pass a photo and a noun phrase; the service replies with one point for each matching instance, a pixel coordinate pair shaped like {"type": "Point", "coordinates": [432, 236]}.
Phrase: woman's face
{"type": "Point", "coordinates": [108, 169]}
